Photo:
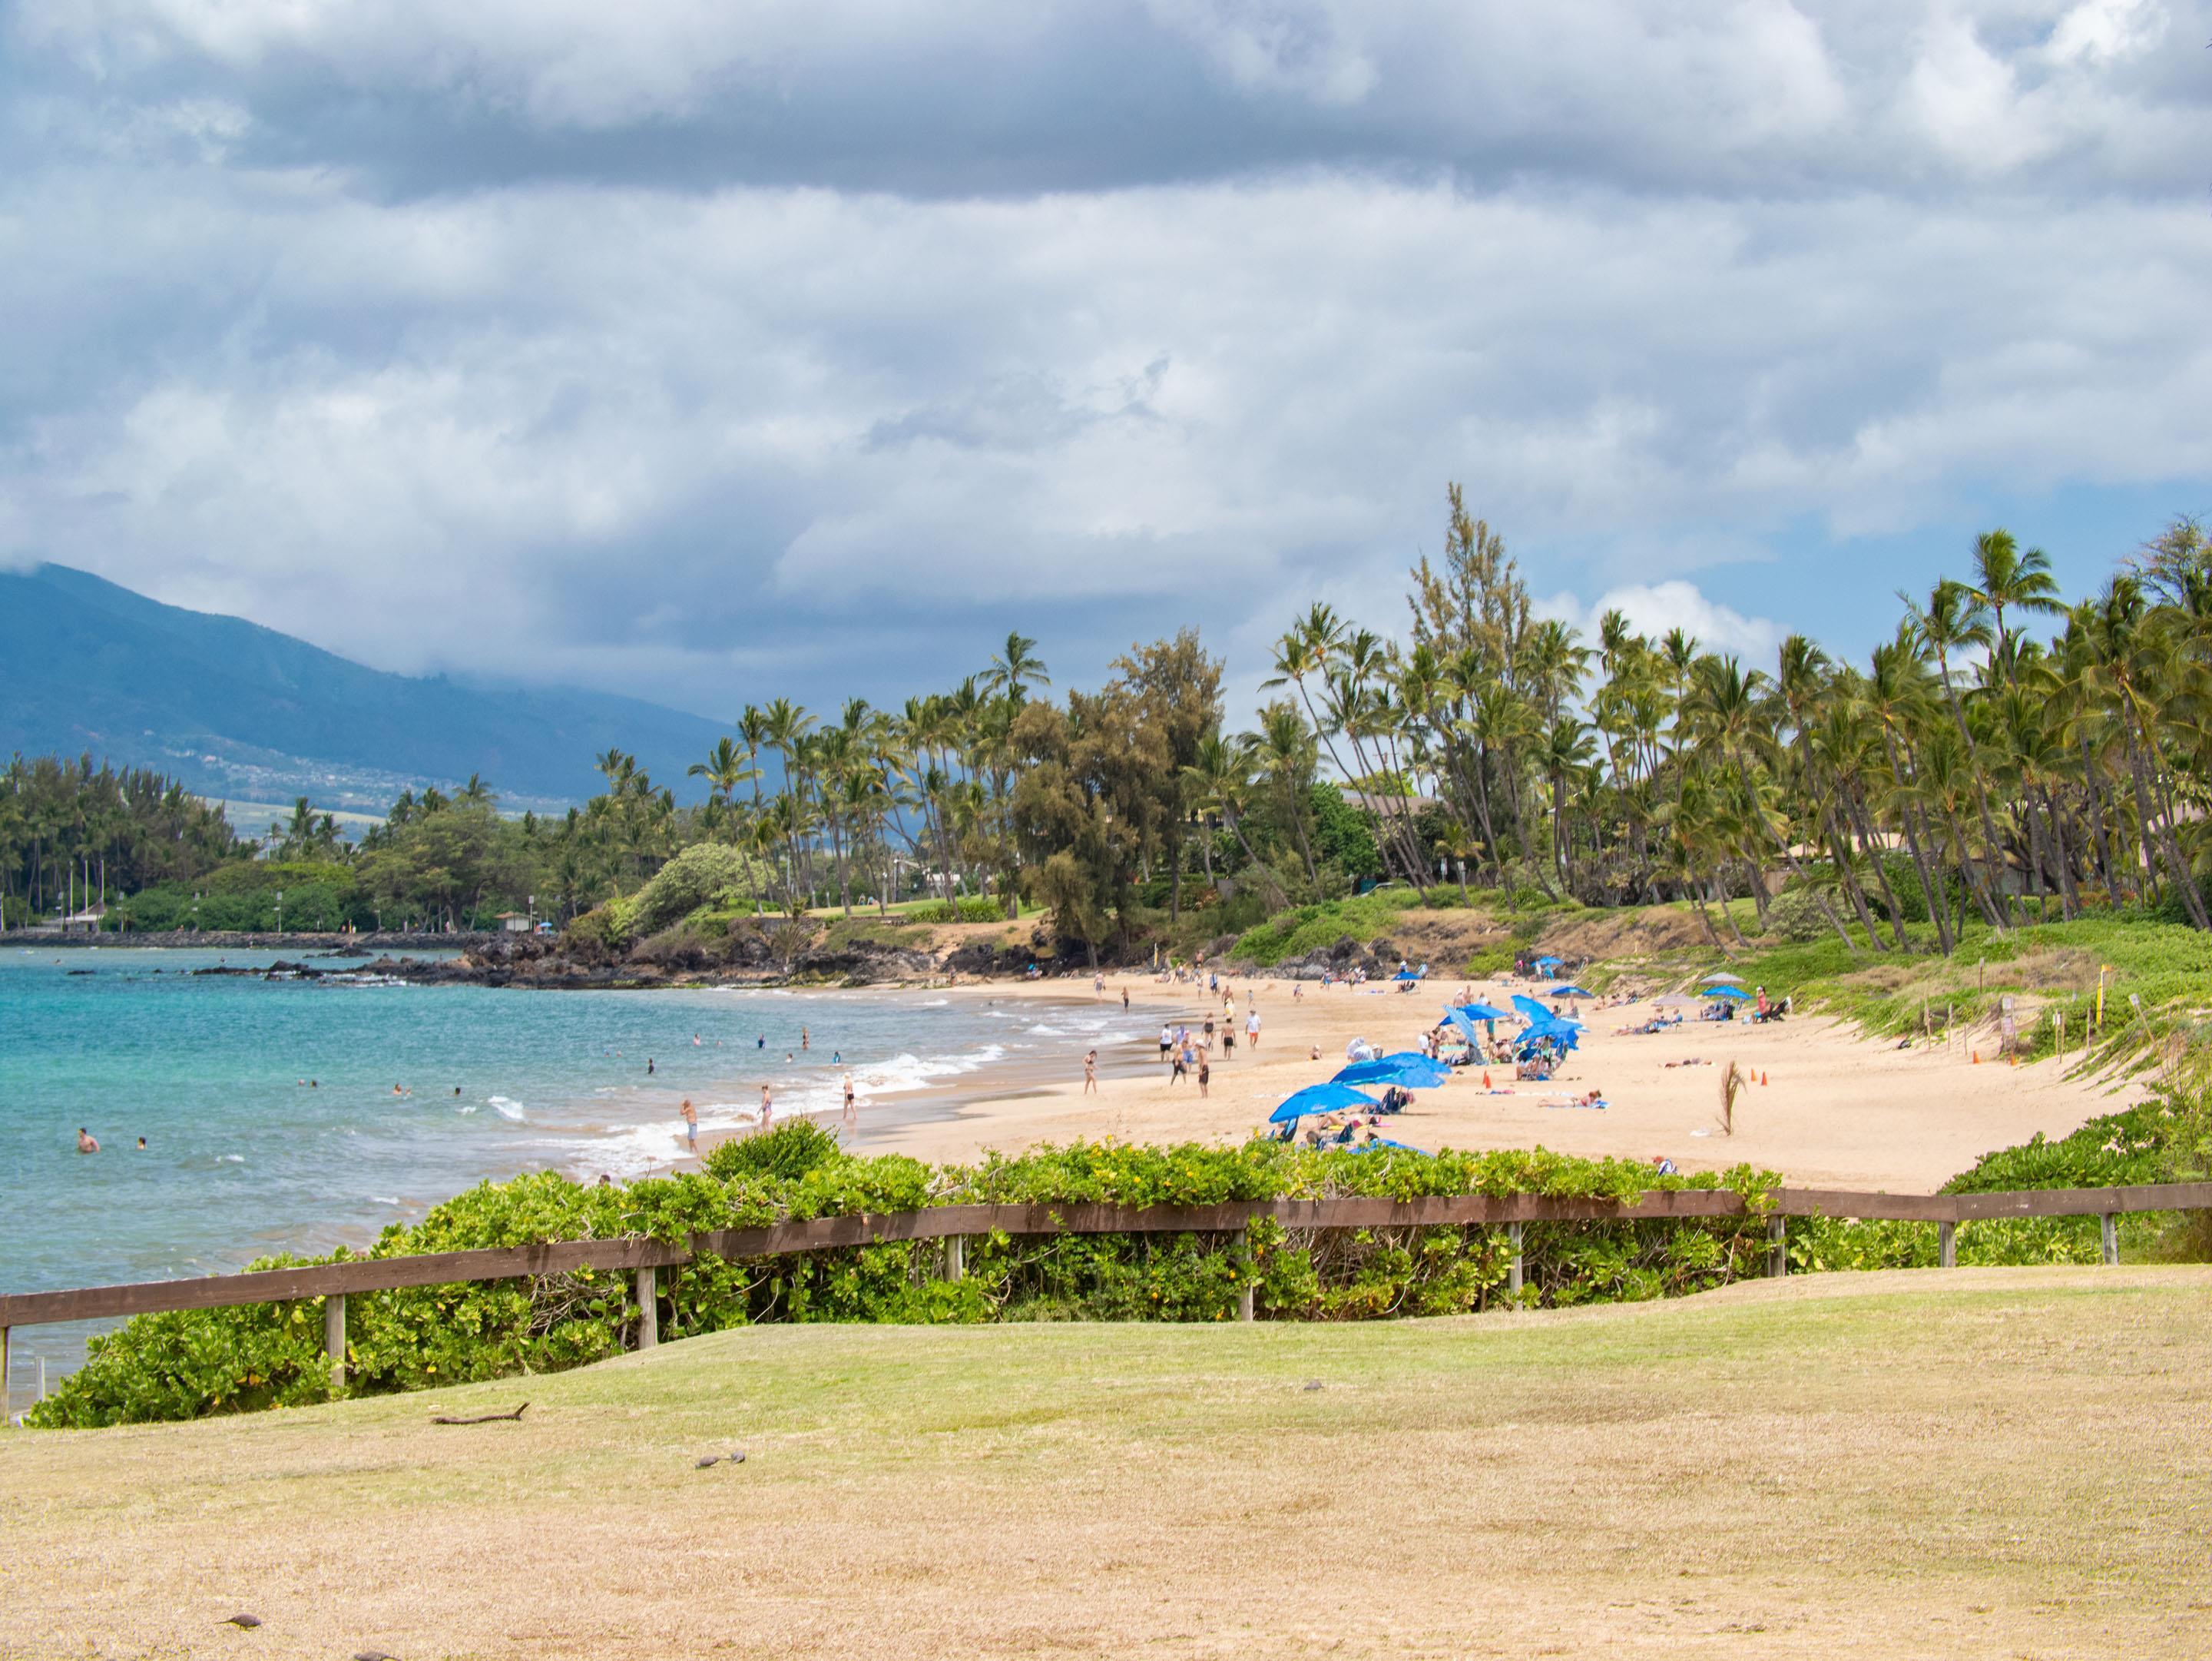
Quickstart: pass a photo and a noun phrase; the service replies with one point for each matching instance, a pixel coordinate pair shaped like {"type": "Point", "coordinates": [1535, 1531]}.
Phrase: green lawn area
{"type": "Point", "coordinates": [1970, 1463]}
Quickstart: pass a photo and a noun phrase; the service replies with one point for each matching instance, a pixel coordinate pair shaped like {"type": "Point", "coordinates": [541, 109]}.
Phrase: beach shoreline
{"type": "Point", "coordinates": [1824, 1106]}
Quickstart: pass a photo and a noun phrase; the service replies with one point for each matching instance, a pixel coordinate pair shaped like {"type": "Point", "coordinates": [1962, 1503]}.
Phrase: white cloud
{"type": "Point", "coordinates": [1662, 286]}
{"type": "Point", "coordinates": [1655, 609]}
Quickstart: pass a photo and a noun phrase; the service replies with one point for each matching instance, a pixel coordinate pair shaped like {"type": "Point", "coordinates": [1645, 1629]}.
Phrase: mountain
{"type": "Point", "coordinates": [238, 711]}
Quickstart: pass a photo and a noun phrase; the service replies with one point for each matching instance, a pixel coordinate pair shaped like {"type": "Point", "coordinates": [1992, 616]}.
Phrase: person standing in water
{"type": "Point", "coordinates": [86, 1141]}
{"type": "Point", "coordinates": [803, 1039]}
{"type": "Point", "coordinates": [852, 1118]}
{"type": "Point", "coordinates": [767, 1108]}
{"type": "Point", "coordinates": [648, 1066]}
{"type": "Point", "coordinates": [691, 1124]}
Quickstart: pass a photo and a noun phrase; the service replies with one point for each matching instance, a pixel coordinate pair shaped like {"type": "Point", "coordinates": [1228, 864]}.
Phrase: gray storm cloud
{"type": "Point", "coordinates": [715, 353]}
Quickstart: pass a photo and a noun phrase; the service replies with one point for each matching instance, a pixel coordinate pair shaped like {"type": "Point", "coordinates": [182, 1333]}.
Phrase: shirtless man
{"type": "Point", "coordinates": [86, 1141]}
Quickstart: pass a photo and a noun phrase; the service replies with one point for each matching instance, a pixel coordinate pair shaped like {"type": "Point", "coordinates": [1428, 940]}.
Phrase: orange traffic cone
{"type": "Point", "coordinates": [1978, 1058]}
{"type": "Point", "coordinates": [1762, 1076]}
{"type": "Point", "coordinates": [1485, 1081]}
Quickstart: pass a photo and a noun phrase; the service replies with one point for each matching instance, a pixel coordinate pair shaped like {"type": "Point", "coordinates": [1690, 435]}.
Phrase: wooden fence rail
{"type": "Point", "coordinates": [645, 1258]}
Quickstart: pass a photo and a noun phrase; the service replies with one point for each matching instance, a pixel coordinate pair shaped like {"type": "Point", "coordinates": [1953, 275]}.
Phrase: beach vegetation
{"type": "Point", "coordinates": [194, 1363]}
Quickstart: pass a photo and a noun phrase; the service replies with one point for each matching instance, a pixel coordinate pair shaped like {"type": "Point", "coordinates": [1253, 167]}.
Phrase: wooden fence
{"type": "Point", "coordinates": [645, 1258]}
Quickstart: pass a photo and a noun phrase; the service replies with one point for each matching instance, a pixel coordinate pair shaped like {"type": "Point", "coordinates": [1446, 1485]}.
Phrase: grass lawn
{"type": "Point", "coordinates": [1984, 1463]}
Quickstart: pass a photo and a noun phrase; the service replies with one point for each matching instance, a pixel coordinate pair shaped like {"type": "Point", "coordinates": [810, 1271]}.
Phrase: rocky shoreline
{"type": "Point", "coordinates": [216, 940]}
{"type": "Point", "coordinates": [543, 964]}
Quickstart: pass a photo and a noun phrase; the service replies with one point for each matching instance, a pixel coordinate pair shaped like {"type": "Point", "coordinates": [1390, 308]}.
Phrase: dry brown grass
{"type": "Point", "coordinates": [1605, 936]}
{"type": "Point", "coordinates": [1977, 1463]}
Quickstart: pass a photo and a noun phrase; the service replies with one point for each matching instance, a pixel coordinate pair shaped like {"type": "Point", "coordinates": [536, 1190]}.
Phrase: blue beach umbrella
{"type": "Point", "coordinates": [1539, 1015]}
{"type": "Point", "coordinates": [1481, 1011]}
{"type": "Point", "coordinates": [1374, 1142]}
{"type": "Point", "coordinates": [1330, 1098]}
{"type": "Point", "coordinates": [1547, 963]}
{"type": "Point", "coordinates": [1733, 992]}
{"type": "Point", "coordinates": [1570, 992]}
{"type": "Point", "coordinates": [1408, 1067]}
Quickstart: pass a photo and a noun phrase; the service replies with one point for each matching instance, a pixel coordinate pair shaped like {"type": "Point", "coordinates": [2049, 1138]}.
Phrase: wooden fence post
{"type": "Point", "coordinates": [1513, 1269]}
{"type": "Point", "coordinates": [648, 1308]}
{"type": "Point", "coordinates": [1777, 1247]}
{"type": "Point", "coordinates": [334, 1337]}
{"type": "Point", "coordinates": [1243, 1257]}
{"type": "Point", "coordinates": [4, 1420]}
{"type": "Point", "coordinates": [1947, 1245]}
{"type": "Point", "coordinates": [2112, 1231]}
{"type": "Point", "coordinates": [955, 1257]}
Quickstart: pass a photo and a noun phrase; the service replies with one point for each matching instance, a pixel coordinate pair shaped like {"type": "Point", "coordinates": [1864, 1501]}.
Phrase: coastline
{"type": "Point", "coordinates": [1827, 1107]}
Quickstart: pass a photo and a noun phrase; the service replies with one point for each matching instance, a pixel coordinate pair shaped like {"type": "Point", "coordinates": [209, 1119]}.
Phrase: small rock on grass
{"type": "Point", "coordinates": [711, 1459]}
{"type": "Point", "coordinates": [242, 1619]}
{"type": "Point", "coordinates": [1313, 1383]}
{"type": "Point", "coordinates": [372, 1655]}
{"type": "Point", "coordinates": [736, 1456]}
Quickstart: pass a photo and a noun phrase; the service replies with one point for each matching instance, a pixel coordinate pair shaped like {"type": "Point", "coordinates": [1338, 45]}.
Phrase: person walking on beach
{"type": "Point", "coordinates": [1098, 986]}
{"type": "Point", "coordinates": [850, 1117]}
{"type": "Point", "coordinates": [1125, 1000]}
{"type": "Point", "coordinates": [768, 1109]}
{"type": "Point", "coordinates": [1204, 1073]}
{"type": "Point", "coordinates": [1091, 1073]}
{"type": "Point", "coordinates": [1228, 1039]}
{"type": "Point", "coordinates": [690, 1124]}
{"type": "Point", "coordinates": [1179, 1067]}
{"type": "Point", "coordinates": [1252, 1031]}
{"type": "Point", "coordinates": [86, 1141]}
{"type": "Point", "coordinates": [1167, 1039]}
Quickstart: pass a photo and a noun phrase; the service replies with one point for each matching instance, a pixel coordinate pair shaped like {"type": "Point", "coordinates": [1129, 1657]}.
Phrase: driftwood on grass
{"type": "Point", "coordinates": [475, 1419]}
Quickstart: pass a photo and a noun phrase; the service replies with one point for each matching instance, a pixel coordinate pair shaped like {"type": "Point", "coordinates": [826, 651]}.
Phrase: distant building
{"type": "Point", "coordinates": [515, 922]}
{"type": "Point", "coordinates": [1388, 807]}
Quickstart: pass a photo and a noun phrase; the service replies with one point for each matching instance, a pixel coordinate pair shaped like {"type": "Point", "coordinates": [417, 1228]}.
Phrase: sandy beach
{"type": "Point", "coordinates": [1826, 1108]}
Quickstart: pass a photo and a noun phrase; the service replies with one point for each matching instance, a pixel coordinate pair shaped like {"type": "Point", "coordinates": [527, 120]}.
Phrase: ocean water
{"type": "Point", "coordinates": [271, 1123]}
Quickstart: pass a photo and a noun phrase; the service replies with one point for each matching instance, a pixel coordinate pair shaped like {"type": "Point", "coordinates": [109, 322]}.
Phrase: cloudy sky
{"type": "Point", "coordinates": [706, 351]}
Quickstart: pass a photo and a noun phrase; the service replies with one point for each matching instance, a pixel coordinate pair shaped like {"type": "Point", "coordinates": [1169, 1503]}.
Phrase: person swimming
{"type": "Point", "coordinates": [86, 1141]}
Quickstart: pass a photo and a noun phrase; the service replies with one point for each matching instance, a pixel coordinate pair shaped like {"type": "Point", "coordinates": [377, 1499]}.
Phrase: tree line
{"type": "Point", "coordinates": [2004, 755]}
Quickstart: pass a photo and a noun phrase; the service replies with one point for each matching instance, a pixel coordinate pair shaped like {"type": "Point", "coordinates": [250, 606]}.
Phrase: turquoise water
{"type": "Point", "coordinates": [245, 1156]}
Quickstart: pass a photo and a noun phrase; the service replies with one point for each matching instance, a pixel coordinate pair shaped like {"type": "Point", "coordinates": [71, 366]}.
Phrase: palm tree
{"type": "Point", "coordinates": [1954, 618]}
{"type": "Point", "coordinates": [1015, 668]}
{"type": "Point", "coordinates": [726, 768]}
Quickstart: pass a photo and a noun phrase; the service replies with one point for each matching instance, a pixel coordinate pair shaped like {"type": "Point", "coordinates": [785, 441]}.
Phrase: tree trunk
{"type": "Point", "coordinates": [1936, 907]}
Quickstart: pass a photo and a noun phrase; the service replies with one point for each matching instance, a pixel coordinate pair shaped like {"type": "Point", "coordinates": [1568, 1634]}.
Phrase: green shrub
{"type": "Point", "coordinates": [604, 930]}
{"type": "Point", "coordinates": [972, 908]}
{"type": "Point", "coordinates": [701, 873]}
{"type": "Point", "coordinates": [790, 1151]}
{"type": "Point", "coordinates": [199, 1362]}
{"type": "Point", "coordinates": [1796, 915]}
